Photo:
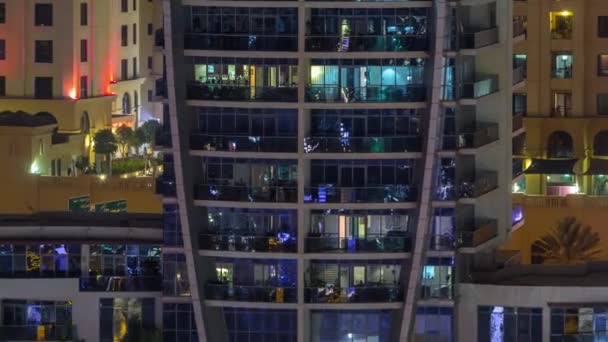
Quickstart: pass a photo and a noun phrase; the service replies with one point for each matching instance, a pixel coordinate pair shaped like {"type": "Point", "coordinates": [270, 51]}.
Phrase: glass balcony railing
{"type": "Point", "coordinates": [375, 194]}
{"type": "Point", "coordinates": [240, 42]}
{"type": "Point", "coordinates": [486, 85]}
{"type": "Point", "coordinates": [244, 193]}
{"type": "Point", "coordinates": [280, 243]}
{"type": "Point", "coordinates": [234, 92]}
{"type": "Point", "coordinates": [246, 293]}
{"type": "Point", "coordinates": [479, 39]}
{"type": "Point", "coordinates": [442, 242]}
{"type": "Point", "coordinates": [519, 74]}
{"type": "Point", "coordinates": [518, 122]}
{"type": "Point", "coordinates": [121, 284]}
{"type": "Point", "coordinates": [482, 183]}
{"type": "Point", "coordinates": [166, 187]}
{"type": "Point", "coordinates": [518, 167]}
{"type": "Point", "coordinates": [236, 143]}
{"type": "Point", "coordinates": [519, 28]}
{"type": "Point", "coordinates": [396, 43]}
{"type": "Point", "coordinates": [354, 294]}
{"type": "Point", "coordinates": [39, 332]}
{"type": "Point", "coordinates": [478, 138]}
{"type": "Point", "coordinates": [482, 231]}
{"type": "Point", "coordinates": [409, 93]}
{"type": "Point", "coordinates": [374, 244]}
{"type": "Point", "coordinates": [437, 291]}
{"type": "Point", "coordinates": [398, 144]}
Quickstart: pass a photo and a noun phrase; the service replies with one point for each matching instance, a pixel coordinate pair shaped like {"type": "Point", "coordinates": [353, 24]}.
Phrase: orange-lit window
{"type": "Point", "coordinates": [561, 24]}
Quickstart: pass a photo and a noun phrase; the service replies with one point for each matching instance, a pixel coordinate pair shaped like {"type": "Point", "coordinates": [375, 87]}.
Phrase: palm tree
{"type": "Point", "coordinates": [568, 243]}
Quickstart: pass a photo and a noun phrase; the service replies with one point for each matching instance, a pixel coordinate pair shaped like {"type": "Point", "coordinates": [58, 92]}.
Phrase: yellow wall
{"type": "Point", "coordinates": [542, 213]}
{"type": "Point", "coordinates": [33, 193]}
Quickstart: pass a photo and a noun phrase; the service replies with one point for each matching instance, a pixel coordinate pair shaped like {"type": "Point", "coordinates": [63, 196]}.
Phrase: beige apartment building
{"type": "Point", "coordinates": [85, 64]}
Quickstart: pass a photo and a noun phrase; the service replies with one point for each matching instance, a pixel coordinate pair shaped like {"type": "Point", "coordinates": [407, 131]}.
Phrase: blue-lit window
{"type": "Point", "coordinates": [44, 260]}
{"type": "Point", "coordinates": [437, 279]}
{"type": "Point", "coordinates": [499, 323]}
{"type": "Point", "coordinates": [172, 228]}
{"type": "Point", "coordinates": [443, 228]}
{"type": "Point", "coordinates": [175, 275]}
{"type": "Point", "coordinates": [434, 324]}
{"type": "Point", "coordinates": [22, 319]}
{"type": "Point", "coordinates": [445, 188]}
{"type": "Point", "coordinates": [351, 326]}
{"type": "Point", "coordinates": [362, 173]}
{"type": "Point", "coordinates": [178, 323]}
{"type": "Point", "coordinates": [261, 325]}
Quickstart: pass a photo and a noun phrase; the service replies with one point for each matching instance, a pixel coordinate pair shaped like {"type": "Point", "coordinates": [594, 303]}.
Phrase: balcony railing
{"type": "Point", "coordinates": [518, 167]}
{"type": "Point", "coordinates": [243, 243]}
{"type": "Point", "coordinates": [484, 182]}
{"type": "Point", "coordinates": [396, 43]}
{"type": "Point", "coordinates": [442, 242]}
{"type": "Point", "coordinates": [519, 28]}
{"type": "Point", "coordinates": [240, 42]}
{"type": "Point", "coordinates": [519, 74]}
{"type": "Point", "coordinates": [486, 85]}
{"type": "Point", "coordinates": [518, 122]}
{"type": "Point", "coordinates": [354, 294]}
{"type": "Point", "coordinates": [378, 194]}
{"type": "Point", "coordinates": [39, 332]}
{"type": "Point", "coordinates": [410, 93]}
{"type": "Point", "coordinates": [483, 230]}
{"type": "Point", "coordinates": [165, 187]}
{"type": "Point", "coordinates": [398, 144]}
{"type": "Point", "coordinates": [245, 293]}
{"type": "Point", "coordinates": [374, 244]}
{"type": "Point", "coordinates": [478, 138]}
{"type": "Point", "coordinates": [121, 284]}
{"type": "Point", "coordinates": [476, 40]}
{"type": "Point", "coordinates": [437, 291]}
{"type": "Point", "coordinates": [236, 143]}
{"type": "Point", "coordinates": [233, 92]}
{"type": "Point", "coordinates": [244, 193]}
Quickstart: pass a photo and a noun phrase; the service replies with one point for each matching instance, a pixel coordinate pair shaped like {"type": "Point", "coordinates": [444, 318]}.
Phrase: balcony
{"type": "Point", "coordinates": [442, 242]}
{"type": "Point", "coordinates": [474, 232]}
{"type": "Point", "coordinates": [354, 294]}
{"type": "Point", "coordinates": [227, 92]}
{"type": "Point", "coordinates": [519, 74]}
{"type": "Point", "coordinates": [240, 42]}
{"type": "Point", "coordinates": [479, 39]}
{"type": "Point", "coordinates": [337, 94]}
{"type": "Point", "coordinates": [166, 187]}
{"type": "Point", "coordinates": [278, 243]}
{"type": "Point", "coordinates": [121, 284]}
{"type": "Point", "coordinates": [41, 332]}
{"type": "Point", "coordinates": [371, 43]}
{"type": "Point", "coordinates": [437, 291]}
{"type": "Point", "coordinates": [250, 293]}
{"type": "Point", "coordinates": [519, 28]}
{"type": "Point", "coordinates": [245, 193]}
{"type": "Point", "coordinates": [398, 144]}
{"type": "Point", "coordinates": [398, 242]}
{"type": "Point", "coordinates": [484, 85]}
{"type": "Point", "coordinates": [377, 194]}
{"type": "Point", "coordinates": [518, 121]}
{"type": "Point", "coordinates": [235, 143]}
{"type": "Point", "coordinates": [517, 168]}
{"type": "Point", "coordinates": [480, 184]}
{"type": "Point", "coordinates": [475, 138]}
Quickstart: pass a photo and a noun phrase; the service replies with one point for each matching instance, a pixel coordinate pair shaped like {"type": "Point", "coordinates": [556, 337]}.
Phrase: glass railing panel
{"type": "Point", "coordinates": [240, 42]}
{"type": "Point", "coordinates": [437, 291]}
{"type": "Point", "coordinates": [374, 244]}
{"type": "Point", "coordinates": [235, 92]}
{"type": "Point", "coordinates": [372, 43]}
{"type": "Point", "coordinates": [475, 40]}
{"type": "Point", "coordinates": [236, 143]}
{"type": "Point", "coordinates": [244, 193]}
{"type": "Point", "coordinates": [483, 230]}
{"type": "Point", "coordinates": [121, 284]}
{"type": "Point", "coordinates": [379, 194]}
{"type": "Point", "coordinates": [411, 93]}
{"type": "Point", "coordinates": [354, 294]}
{"type": "Point", "coordinates": [246, 293]}
{"type": "Point", "coordinates": [279, 243]}
{"type": "Point", "coordinates": [397, 144]}
{"type": "Point", "coordinates": [479, 138]}
{"type": "Point", "coordinates": [482, 183]}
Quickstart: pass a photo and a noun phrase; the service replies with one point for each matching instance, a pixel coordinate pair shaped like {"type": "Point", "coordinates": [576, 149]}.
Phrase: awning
{"type": "Point", "coordinates": [597, 167]}
{"type": "Point", "coordinates": [551, 166]}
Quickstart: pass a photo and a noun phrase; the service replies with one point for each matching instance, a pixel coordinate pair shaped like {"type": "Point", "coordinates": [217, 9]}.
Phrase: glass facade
{"type": "Point", "coordinates": [578, 323]}
{"type": "Point", "coordinates": [499, 323]}
{"type": "Point", "coordinates": [31, 320]}
{"type": "Point", "coordinates": [349, 326]}
{"type": "Point", "coordinates": [434, 324]}
{"type": "Point", "coordinates": [178, 323]}
{"type": "Point", "coordinates": [249, 325]}
{"type": "Point", "coordinates": [40, 260]}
